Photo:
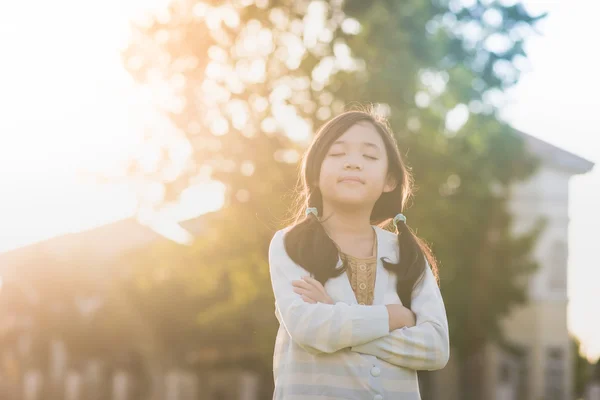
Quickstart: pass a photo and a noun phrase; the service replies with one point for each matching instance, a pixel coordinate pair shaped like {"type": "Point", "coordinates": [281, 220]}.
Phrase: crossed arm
{"type": "Point", "coordinates": [327, 328]}
{"type": "Point", "coordinates": [424, 346]}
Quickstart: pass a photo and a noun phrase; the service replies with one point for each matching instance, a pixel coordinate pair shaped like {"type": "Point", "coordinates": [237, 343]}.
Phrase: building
{"type": "Point", "coordinates": [540, 328]}
{"type": "Point", "coordinates": [536, 362]}
{"type": "Point", "coordinates": [82, 265]}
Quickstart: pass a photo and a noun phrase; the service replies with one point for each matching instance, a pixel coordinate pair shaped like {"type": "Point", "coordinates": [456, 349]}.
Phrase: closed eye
{"type": "Point", "coordinates": [370, 157]}
{"type": "Point", "coordinates": [336, 154]}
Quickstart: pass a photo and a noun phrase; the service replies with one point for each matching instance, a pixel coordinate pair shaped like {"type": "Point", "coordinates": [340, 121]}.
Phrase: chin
{"type": "Point", "coordinates": [350, 201]}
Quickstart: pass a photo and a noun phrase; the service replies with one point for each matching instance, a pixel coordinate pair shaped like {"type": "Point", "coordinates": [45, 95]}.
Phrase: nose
{"type": "Point", "coordinates": [351, 165]}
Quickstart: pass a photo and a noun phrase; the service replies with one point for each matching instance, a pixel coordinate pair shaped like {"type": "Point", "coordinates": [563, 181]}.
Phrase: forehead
{"type": "Point", "coordinates": [362, 133]}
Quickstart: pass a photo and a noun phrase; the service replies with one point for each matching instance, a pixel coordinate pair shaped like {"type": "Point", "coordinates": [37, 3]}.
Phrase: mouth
{"type": "Point", "coordinates": [351, 179]}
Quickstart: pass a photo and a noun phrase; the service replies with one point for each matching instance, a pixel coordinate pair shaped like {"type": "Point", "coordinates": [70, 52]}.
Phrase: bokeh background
{"type": "Point", "coordinates": [149, 150]}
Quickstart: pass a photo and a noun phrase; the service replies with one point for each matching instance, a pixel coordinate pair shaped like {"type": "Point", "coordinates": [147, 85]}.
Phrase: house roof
{"type": "Point", "coordinates": [96, 245]}
{"type": "Point", "coordinates": [556, 156]}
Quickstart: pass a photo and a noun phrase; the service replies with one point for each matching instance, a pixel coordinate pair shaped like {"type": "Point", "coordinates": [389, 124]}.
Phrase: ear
{"type": "Point", "coordinates": [390, 184]}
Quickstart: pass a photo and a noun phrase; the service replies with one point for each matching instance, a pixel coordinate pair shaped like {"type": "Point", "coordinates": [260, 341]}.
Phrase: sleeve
{"type": "Point", "coordinates": [319, 328]}
{"type": "Point", "coordinates": [425, 346]}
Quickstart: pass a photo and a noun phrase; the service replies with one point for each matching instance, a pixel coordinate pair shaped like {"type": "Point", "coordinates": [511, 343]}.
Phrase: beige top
{"type": "Point", "coordinates": [346, 351]}
{"type": "Point", "coordinates": [362, 273]}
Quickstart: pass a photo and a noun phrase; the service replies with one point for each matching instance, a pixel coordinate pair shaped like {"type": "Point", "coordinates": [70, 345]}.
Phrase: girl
{"type": "Point", "coordinates": [359, 306]}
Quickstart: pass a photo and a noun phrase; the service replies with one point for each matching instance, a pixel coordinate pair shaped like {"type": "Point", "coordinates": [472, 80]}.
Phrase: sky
{"type": "Point", "coordinates": [557, 101]}
{"type": "Point", "coordinates": [43, 154]}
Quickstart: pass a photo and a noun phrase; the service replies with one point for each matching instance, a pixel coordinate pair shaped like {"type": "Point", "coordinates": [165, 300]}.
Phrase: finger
{"type": "Point", "coordinates": [310, 292]}
{"type": "Point", "coordinates": [308, 299]}
{"type": "Point", "coordinates": [315, 283]}
{"type": "Point", "coordinates": [301, 284]}
{"type": "Point", "coordinates": [304, 292]}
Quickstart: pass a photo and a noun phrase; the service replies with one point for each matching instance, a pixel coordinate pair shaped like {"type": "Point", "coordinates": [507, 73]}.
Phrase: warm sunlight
{"type": "Point", "coordinates": [88, 118]}
{"type": "Point", "coordinates": [125, 123]}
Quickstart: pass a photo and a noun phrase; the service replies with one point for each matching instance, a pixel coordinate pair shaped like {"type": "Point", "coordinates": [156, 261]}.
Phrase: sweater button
{"type": "Point", "coordinates": [378, 397]}
{"type": "Point", "coordinates": [375, 371]}
{"type": "Point", "coordinates": [362, 286]}
{"type": "Point", "coordinates": [362, 267]}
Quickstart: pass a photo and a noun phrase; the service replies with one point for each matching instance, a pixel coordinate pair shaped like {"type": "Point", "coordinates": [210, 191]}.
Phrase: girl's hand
{"type": "Point", "coordinates": [311, 291]}
{"type": "Point", "coordinates": [400, 316]}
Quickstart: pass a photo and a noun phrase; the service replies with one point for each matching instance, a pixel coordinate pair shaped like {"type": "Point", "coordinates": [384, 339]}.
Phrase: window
{"type": "Point", "coordinates": [557, 277]}
{"type": "Point", "coordinates": [554, 372]}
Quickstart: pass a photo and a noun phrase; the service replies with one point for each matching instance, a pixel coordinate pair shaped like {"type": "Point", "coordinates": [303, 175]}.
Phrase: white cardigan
{"type": "Point", "coordinates": [345, 350]}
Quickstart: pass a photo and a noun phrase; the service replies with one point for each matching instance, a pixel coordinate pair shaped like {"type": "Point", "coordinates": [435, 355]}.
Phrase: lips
{"type": "Point", "coordinates": [354, 179]}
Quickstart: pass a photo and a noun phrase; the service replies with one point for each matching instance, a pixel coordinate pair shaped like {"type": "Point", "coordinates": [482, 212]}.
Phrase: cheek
{"type": "Point", "coordinates": [378, 174]}
{"type": "Point", "coordinates": [328, 172]}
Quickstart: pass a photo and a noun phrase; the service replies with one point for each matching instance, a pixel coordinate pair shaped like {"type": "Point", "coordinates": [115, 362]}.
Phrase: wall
{"type": "Point", "coordinates": [541, 326]}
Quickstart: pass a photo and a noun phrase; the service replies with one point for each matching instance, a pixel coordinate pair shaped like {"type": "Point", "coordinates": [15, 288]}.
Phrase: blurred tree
{"type": "Point", "coordinates": [244, 83]}
{"type": "Point", "coordinates": [582, 369]}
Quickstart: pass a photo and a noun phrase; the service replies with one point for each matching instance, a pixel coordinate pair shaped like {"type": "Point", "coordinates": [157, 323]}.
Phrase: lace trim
{"type": "Point", "coordinates": [362, 273]}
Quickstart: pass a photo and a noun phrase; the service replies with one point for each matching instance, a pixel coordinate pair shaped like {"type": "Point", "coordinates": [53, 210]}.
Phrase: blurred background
{"type": "Point", "coordinates": [149, 150]}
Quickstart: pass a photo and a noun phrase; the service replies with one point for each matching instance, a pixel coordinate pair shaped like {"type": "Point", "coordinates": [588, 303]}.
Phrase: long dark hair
{"type": "Point", "coordinates": [308, 244]}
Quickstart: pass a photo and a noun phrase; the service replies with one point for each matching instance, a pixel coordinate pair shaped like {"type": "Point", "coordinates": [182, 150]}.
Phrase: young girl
{"type": "Point", "coordinates": [359, 306]}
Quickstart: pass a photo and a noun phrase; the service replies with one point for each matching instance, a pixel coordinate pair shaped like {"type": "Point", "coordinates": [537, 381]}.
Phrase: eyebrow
{"type": "Point", "coordinates": [368, 144]}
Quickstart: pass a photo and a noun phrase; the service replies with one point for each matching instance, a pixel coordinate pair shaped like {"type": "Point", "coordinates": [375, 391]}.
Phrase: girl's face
{"type": "Point", "coordinates": [354, 170]}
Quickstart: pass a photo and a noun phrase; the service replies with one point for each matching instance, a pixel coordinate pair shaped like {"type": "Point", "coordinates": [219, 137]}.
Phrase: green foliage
{"type": "Point", "coordinates": [582, 369]}
{"type": "Point", "coordinates": [248, 76]}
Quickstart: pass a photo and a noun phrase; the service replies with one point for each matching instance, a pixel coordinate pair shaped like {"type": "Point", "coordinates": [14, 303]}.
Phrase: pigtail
{"type": "Point", "coordinates": [410, 269]}
{"type": "Point", "coordinates": [309, 246]}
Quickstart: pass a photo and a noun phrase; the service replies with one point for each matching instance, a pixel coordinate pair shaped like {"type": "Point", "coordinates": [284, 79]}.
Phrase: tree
{"type": "Point", "coordinates": [245, 82]}
{"type": "Point", "coordinates": [582, 368]}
